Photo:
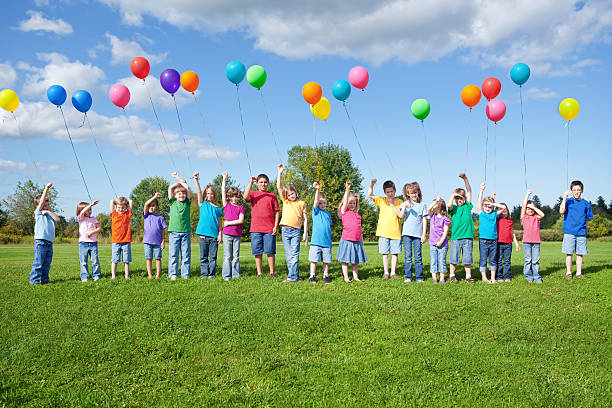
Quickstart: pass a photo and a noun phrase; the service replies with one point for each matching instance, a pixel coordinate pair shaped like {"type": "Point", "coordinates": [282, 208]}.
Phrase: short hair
{"type": "Point", "coordinates": [233, 192]}
{"type": "Point", "coordinates": [122, 201]}
{"type": "Point", "coordinates": [389, 184]}
{"type": "Point", "coordinates": [460, 191]}
{"type": "Point", "coordinates": [262, 175]}
{"type": "Point", "coordinates": [488, 200]}
{"type": "Point", "coordinates": [214, 192]}
{"type": "Point", "coordinates": [179, 188]}
{"type": "Point", "coordinates": [507, 210]}
{"type": "Point", "coordinates": [413, 187]}
{"type": "Point", "coordinates": [37, 199]}
{"type": "Point", "coordinates": [577, 183]}
{"type": "Point", "coordinates": [80, 207]}
{"type": "Point", "coordinates": [530, 202]}
{"type": "Point", "coordinates": [322, 195]}
{"type": "Point", "coordinates": [288, 188]}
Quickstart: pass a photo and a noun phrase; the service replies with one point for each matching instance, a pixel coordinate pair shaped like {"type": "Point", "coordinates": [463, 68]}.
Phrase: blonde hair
{"type": "Point", "coordinates": [507, 210]}
{"type": "Point", "coordinates": [348, 198]}
{"type": "Point", "coordinates": [214, 192]}
{"type": "Point", "coordinates": [288, 188]}
{"type": "Point", "coordinates": [233, 192]}
{"type": "Point", "coordinates": [179, 188]}
{"type": "Point", "coordinates": [122, 201]}
{"type": "Point", "coordinates": [439, 208]}
{"type": "Point", "coordinates": [488, 200]}
{"type": "Point", "coordinates": [412, 188]}
{"type": "Point", "coordinates": [322, 195]}
{"type": "Point", "coordinates": [460, 191]}
{"type": "Point", "coordinates": [80, 207]}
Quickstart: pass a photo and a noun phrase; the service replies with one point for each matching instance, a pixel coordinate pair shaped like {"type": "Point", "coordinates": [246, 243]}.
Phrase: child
{"type": "Point", "coordinates": [388, 229]}
{"type": "Point", "coordinates": [44, 234]}
{"type": "Point", "coordinates": [321, 241]}
{"type": "Point", "coordinates": [153, 237]}
{"type": "Point", "coordinates": [265, 214]}
{"type": "Point", "coordinates": [462, 229]}
{"type": "Point", "coordinates": [209, 228]}
{"type": "Point", "coordinates": [121, 212]}
{"type": "Point", "coordinates": [179, 239]}
{"type": "Point", "coordinates": [576, 212]}
{"type": "Point", "coordinates": [505, 238]}
{"type": "Point", "coordinates": [350, 248]}
{"type": "Point", "coordinates": [414, 231]}
{"type": "Point", "coordinates": [292, 218]}
{"type": "Point", "coordinates": [89, 227]}
{"type": "Point", "coordinates": [487, 234]}
{"type": "Point", "coordinates": [232, 230]}
{"type": "Point", "coordinates": [438, 241]}
{"type": "Point", "coordinates": [530, 218]}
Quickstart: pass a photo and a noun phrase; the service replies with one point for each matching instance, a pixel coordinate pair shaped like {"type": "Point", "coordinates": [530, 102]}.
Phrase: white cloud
{"type": "Point", "coordinates": [37, 22]}
{"type": "Point", "coordinates": [8, 166]}
{"type": "Point", "coordinates": [125, 50]}
{"type": "Point", "coordinates": [41, 3]}
{"type": "Point", "coordinates": [540, 93]}
{"type": "Point", "coordinates": [9, 75]}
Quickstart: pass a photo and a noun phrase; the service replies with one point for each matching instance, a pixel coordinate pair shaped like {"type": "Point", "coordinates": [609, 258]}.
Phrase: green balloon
{"type": "Point", "coordinates": [256, 75]}
{"type": "Point", "coordinates": [420, 109]}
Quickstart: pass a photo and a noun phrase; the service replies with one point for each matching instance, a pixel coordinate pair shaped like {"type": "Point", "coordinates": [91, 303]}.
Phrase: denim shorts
{"type": "Point", "coordinates": [121, 250]}
{"type": "Point", "coordinates": [319, 254]}
{"type": "Point", "coordinates": [458, 246]}
{"type": "Point", "coordinates": [263, 243]}
{"type": "Point", "coordinates": [388, 245]}
{"type": "Point", "coordinates": [574, 244]}
{"type": "Point", "coordinates": [152, 251]}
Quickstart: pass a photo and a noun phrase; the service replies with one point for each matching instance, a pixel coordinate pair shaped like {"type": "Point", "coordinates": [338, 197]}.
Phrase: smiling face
{"type": "Point", "coordinates": [235, 199]}
{"type": "Point", "coordinates": [121, 208]}
{"type": "Point", "coordinates": [487, 207]}
{"type": "Point", "coordinates": [414, 196]}
{"type": "Point", "coordinates": [504, 212]}
{"type": "Point", "coordinates": [87, 213]}
{"type": "Point", "coordinates": [352, 203]}
{"type": "Point", "coordinates": [577, 192]}
{"type": "Point", "coordinates": [209, 195]}
{"type": "Point", "coordinates": [322, 203]}
{"type": "Point", "coordinates": [460, 201]}
{"type": "Point", "coordinates": [291, 195]}
{"type": "Point", "coordinates": [180, 195]}
{"type": "Point", "coordinates": [529, 211]}
{"type": "Point", "coordinates": [46, 205]}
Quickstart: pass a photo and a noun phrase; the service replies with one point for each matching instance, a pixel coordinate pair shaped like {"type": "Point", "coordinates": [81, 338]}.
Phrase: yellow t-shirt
{"type": "Point", "coordinates": [293, 214]}
{"type": "Point", "coordinates": [388, 223]}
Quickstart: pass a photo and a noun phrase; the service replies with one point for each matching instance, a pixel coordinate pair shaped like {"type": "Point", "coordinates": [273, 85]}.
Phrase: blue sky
{"type": "Point", "coordinates": [411, 50]}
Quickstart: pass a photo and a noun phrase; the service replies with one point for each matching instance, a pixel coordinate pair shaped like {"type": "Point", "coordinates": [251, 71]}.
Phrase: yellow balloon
{"type": "Point", "coordinates": [569, 108]}
{"type": "Point", "coordinates": [9, 100]}
{"type": "Point", "coordinates": [321, 109]}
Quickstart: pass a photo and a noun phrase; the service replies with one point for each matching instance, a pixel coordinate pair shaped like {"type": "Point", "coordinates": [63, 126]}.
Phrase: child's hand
{"type": "Point", "coordinates": [157, 195]}
{"type": "Point", "coordinates": [529, 192]}
{"type": "Point", "coordinates": [44, 212]}
{"type": "Point", "coordinates": [48, 186]}
{"type": "Point", "coordinates": [253, 179]}
{"type": "Point", "coordinates": [373, 181]}
{"type": "Point", "coordinates": [423, 239]}
{"type": "Point", "coordinates": [175, 175]}
{"type": "Point", "coordinates": [95, 202]}
{"type": "Point", "coordinates": [517, 247]}
{"type": "Point", "coordinates": [316, 186]}
{"type": "Point", "coordinates": [567, 194]}
{"type": "Point", "coordinates": [463, 176]}
{"type": "Point", "coordinates": [196, 175]}
{"type": "Point", "coordinates": [281, 168]}
{"type": "Point", "coordinates": [304, 237]}
{"type": "Point", "coordinates": [224, 174]}
{"type": "Point", "coordinates": [494, 195]}
{"type": "Point", "coordinates": [163, 245]}
{"type": "Point", "coordinates": [274, 230]}
{"type": "Point", "coordinates": [407, 204]}
{"type": "Point", "coordinates": [347, 185]}
{"type": "Point", "coordinates": [439, 244]}
{"type": "Point", "coordinates": [482, 186]}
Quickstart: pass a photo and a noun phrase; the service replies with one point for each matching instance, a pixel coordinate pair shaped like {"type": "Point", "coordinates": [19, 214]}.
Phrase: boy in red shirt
{"type": "Point", "coordinates": [121, 212]}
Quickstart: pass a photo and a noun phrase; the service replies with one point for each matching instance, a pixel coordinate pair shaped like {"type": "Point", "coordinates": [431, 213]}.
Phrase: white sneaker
{"type": "Point", "coordinates": [84, 280]}
{"type": "Point", "coordinates": [96, 279]}
{"type": "Point", "coordinates": [173, 277]}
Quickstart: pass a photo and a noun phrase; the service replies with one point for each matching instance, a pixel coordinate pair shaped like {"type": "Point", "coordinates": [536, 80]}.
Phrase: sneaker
{"type": "Point", "coordinates": [226, 279]}
{"type": "Point", "coordinates": [96, 279]}
{"type": "Point", "coordinates": [312, 279]}
{"type": "Point", "coordinates": [453, 279]}
{"type": "Point", "coordinates": [327, 279]}
{"type": "Point", "coordinates": [420, 281]}
{"type": "Point", "coordinates": [127, 278]}
{"type": "Point", "coordinates": [385, 276]}
{"type": "Point", "coordinates": [84, 280]}
{"type": "Point", "coordinates": [507, 280]}
{"type": "Point", "coordinates": [299, 279]}
{"type": "Point", "coordinates": [470, 280]}
{"type": "Point", "coordinates": [211, 276]}
{"type": "Point", "coordinates": [173, 278]}
{"type": "Point", "coordinates": [407, 280]}
{"type": "Point", "coordinates": [442, 282]}
{"type": "Point", "coordinates": [113, 278]}
{"type": "Point", "coordinates": [500, 280]}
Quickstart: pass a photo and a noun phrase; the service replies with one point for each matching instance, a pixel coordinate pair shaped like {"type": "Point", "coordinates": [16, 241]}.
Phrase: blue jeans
{"type": "Point", "coordinates": [438, 259]}
{"type": "Point", "coordinates": [43, 254]}
{"type": "Point", "coordinates": [179, 244]}
{"type": "Point", "coordinates": [208, 256]}
{"type": "Point", "coordinates": [89, 249]}
{"type": "Point", "coordinates": [488, 249]}
{"type": "Point", "coordinates": [504, 257]}
{"type": "Point", "coordinates": [532, 262]}
{"type": "Point", "coordinates": [411, 243]}
{"type": "Point", "coordinates": [231, 257]}
{"type": "Point", "coordinates": [291, 242]}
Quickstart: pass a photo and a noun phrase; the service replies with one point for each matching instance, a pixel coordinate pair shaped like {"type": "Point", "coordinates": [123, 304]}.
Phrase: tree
{"type": "Point", "coordinates": [142, 193]}
{"type": "Point", "coordinates": [3, 216]}
{"type": "Point", "coordinates": [20, 206]}
{"type": "Point", "coordinates": [105, 224]}
{"type": "Point", "coordinates": [600, 206]}
{"type": "Point", "coordinates": [536, 201]}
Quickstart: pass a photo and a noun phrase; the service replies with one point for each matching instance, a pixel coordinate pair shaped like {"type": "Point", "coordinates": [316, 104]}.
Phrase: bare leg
{"type": "Point", "coordinates": [313, 268]}
{"type": "Point", "coordinates": [113, 270]}
{"type": "Point", "coordinates": [493, 272]}
{"type": "Point", "coordinates": [441, 277]}
{"type": "Point", "coordinates": [578, 265]}
{"type": "Point", "coordinates": [568, 264]}
{"type": "Point", "coordinates": [345, 272]}
{"type": "Point", "coordinates": [483, 274]}
{"type": "Point", "coordinates": [393, 263]}
{"type": "Point", "coordinates": [158, 268]}
{"type": "Point", "coordinates": [453, 268]}
{"type": "Point", "coordinates": [271, 259]}
{"type": "Point", "coordinates": [325, 269]}
{"type": "Point", "coordinates": [468, 270]}
{"type": "Point", "coordinates": [126, 267]}
{"type": "Point", "coordinates": [149, 268]}
{"type": "Point", "coordinates": [385, 264]}
{"type": "Point", "coordinates": [355, 268]}
{"type": "Point", "coordinates": [434, 277]}
{"type": "Point", "coordinates": [258, 264]}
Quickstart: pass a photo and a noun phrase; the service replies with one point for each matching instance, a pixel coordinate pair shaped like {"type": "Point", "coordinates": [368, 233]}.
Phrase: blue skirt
{"type": "Point", "coordinates": [351, 252]}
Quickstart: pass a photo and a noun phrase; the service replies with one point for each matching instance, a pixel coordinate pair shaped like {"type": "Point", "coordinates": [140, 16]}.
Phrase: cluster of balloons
{"type": "Point", "coordinates": [256, 75]}
{"type": "Point", "coordinates": [9, 100]}
{"type": "Point", "coordinates": [81, 99]}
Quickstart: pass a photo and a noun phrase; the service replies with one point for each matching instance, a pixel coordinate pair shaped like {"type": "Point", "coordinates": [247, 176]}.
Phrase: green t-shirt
{"type": "Point", "coordinates": [463, 225]}
{"type": "Point", "coordinates": [180, 218]}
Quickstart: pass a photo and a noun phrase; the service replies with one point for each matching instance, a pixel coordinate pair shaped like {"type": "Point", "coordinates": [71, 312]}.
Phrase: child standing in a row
{"type": "Point", "coordinates": [44, 234]}
{"type": "Point", "coordinates": [179, 240]}
{"type": "Point", "coordinates": [121, 232]}
{"type": "Point", "coordinates": [153, 235]}
{"type": "Point", "coordinates": [321, 240]}
{"type": "Point", "coordinates": [89, 227]}
{"type": "Point", "coordinates": [209, 229]}
{"type": "Point", "coordinates": [438, 241]}
{"type": "Point", "coordinates": [388, 228]}
{"type": "Point", "coordinates": [462, 229]}
{"type": "Point", "coordinates": [350, 248]}
{"type": "Point", "coordinates": [232, 230]}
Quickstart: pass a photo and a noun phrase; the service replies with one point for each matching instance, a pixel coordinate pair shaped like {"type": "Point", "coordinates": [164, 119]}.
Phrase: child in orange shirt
{"type": "Point", "coordinates": [121, 212]}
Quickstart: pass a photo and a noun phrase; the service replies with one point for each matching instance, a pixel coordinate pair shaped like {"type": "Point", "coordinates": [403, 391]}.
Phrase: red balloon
{"type": "Point", "coordinates": [140, 67]}
{"type": "Point", "coordinates": [491, 88]}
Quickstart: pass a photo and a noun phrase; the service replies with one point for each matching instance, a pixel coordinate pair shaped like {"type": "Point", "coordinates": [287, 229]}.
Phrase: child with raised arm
{"type": "Point", "coordinates": [576, 211]}
{"type": "Point", "coordinates": [232, 230]}
{"type": "Point", "coordinates": [321, 241]}
{"type": "Point", "coordinates": [505, 238]}
{"type": "Point", "coordinates": [292, 218]}
{"type": "Point", "coordinates": [153, 237]}
{"type": "Point", "coordinates": [350, 248]}
{"type": "Point", "coordinates": [265, 215]}
{"type": "Point", "coordinates": [414, 230]}
{"type": "Point", "coordinates": [89, 227]}
{"type": "Point", "coordinates": [179, 239]}
{"type": "Point", "coordinates": [487, 234]}
{"type": "Point", "coordinates": [121, 232]}
{"type": "Point", "coordinates": [438, 239]}
{"type": "Point", "coordinates": [209, 228]}
{"type": "Point", "coordinates": [462, 229]}
{"type": "Point", "coordinates": [44, 234]}
{"type": "Point", "coordinates": [530, 218]}
{"type": "Point", "coordinates": [388, 228]}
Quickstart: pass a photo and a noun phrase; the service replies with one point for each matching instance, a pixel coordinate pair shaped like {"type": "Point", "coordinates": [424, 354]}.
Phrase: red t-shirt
{"type": "Point", "coordinates": [264, 206]}
{"type": "Point", "coordinates": [504, 230]}
{"type": "Point", "coordinates": [120, 228]}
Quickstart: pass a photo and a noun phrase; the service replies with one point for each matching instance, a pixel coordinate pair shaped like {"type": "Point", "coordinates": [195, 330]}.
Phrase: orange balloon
{"type": "Point", "coordinates": [190, 81]}
{"type": "Point", "coordinates": [470, 96]}
{"type": "Point", "coordinates": [312, 93]}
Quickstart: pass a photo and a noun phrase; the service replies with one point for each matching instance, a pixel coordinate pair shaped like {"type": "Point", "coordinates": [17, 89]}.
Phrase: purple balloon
{"type": "Point", "coordinates": [170, 80]}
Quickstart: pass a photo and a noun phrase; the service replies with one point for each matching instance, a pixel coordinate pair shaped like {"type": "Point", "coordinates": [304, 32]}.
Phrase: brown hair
{"type": "Point", "coordinates": [122, 201]}
{"type": "Point", "coordinates": [577, 183]}
{"type": "Point", "coordinates": [389, 184]}
{"type": "Point", "coordinates": [288, 188]}
{"type": "Point", "coordinates": [322, 195]}
{"type": "Point", "coordinates": [154, 201]}
{"type": "Point", "coordinates": [214, 192]}
{"type": "Point", "coordinates": [440, 208]}
{"type": "Point", "coordinates": [80, 207]}
{"type": "Point", "coordinates": [461, 192]}
{"type": "Point", "coordinates": [412, 187]}
{"type": "Point", "coordinates": [233, 192]}
{"type": "Point", "coordinates": [507, 210]}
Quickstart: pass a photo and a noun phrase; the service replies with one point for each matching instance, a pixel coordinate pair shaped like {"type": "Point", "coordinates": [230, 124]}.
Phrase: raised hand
{"type": "Point", "coordinates": [95, 202]}
{"type": "Point", "coordinates": [281, 168]}
{"type": "Point", "coordinates": [462, 175]}
{"type": "Point", "coordinates": [49, 185]}
{"type": "Point", "coordinates": [347, 185]}
{"type": "Point", "coordinates": [157, 195]}
{"type": "Point", "coordinates": [373, 181]}
{"type": "Point", "coordinates": [483, 186]}
{"type": "Point", "coordinates": [316, 185]}
{"type": "Point", "coordinates": [196, 175]}
{"type": "Point", "coordinates": [224, 174]}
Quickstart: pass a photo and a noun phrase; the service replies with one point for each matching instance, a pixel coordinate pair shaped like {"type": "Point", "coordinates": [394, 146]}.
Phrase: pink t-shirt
{"type": "Point", "coordinates": [88, 224]}
{"type": "Point", "coordinates": [351, 226]}
{"type": "Point", "coordinates": [232, 212]}
{"type": "Point", "coordinates": [531, 229]}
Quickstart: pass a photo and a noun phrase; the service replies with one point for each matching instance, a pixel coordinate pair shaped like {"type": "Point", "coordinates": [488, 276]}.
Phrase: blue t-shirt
{"type": "Point", "coordinates": [44, 228]}
{"type": "Point", "coordinates": [208, 225]}
{"type": "Point", "coordinates": [487, 225]}
{"type": "Point", "coordinates": [321, 228]}
{"type": "Point", "coordinates": [577, 212]}
{"type": "Point", "coordinates": [413, 220]}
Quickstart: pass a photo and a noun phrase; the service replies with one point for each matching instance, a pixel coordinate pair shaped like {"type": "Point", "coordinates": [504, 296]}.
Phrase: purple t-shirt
{"type": "Point", "coordinates": [232, 212]}
{"type": "Point", "coordinates": [153, 226]}
{"type": "Point", "coordinates": [436, 229]}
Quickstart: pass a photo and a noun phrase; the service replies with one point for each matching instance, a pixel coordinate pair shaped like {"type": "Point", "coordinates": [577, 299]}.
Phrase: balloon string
{"type": "Point", "coordinates": [523, 133]}
{"type": "Point", "coordinates": [100, 154]}
{"type": "Point", "coordinates": [567, 156]}
{"type": "Point", "coordinates": [246, 150]}
{"type": "Point", "coordinates": [357, 139]}
{"type": "Point", "coordinates": [75, 153]}
{"type": "Point", "coordinates": [207, 130]}
{"type": "Point", "coordinates": [486, 152]}
{"type": "Point", "coordinates": [467, 143]}
{"type": "Point", "coordinates": [270, 125]}
{"type": "Point", "coordinates": [138, 150]}
{"type": "Point", "coordinates": [36, 169]}
{"type": "Point", "coordinates": [331, 136]}
{"type": "Point", "coordinates": [314, 130]}
{"type": "Point", "coordinates": [378, 132]}
{"type": "Point", "coordinates": [160, 126]}
{"type": "Point", "coordinates": [182, 133]}
{"type": "Point", "coordinates": [433, 182]}
{"type": "Point", "coordinates": [495, 156]}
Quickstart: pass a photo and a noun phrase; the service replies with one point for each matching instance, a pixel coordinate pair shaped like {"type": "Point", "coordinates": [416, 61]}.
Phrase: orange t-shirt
{"type": "Point", "coordinates": [121, 231]}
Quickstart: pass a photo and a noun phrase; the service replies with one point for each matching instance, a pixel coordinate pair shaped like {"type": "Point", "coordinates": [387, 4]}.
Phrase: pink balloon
{"type": "Point", "coordinates": [119, 94]}
{"type": "Point", "coordinates": [496, 110]}
{"type": "Point", "coordinates": [359, 77]}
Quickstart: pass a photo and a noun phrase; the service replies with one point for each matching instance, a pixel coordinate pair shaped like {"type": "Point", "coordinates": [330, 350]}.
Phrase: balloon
{"type": "Point", "coordinates": [140, 67]}
{"type": "Point", "coordinates": [321, 109]}
{"type": "Point", "coordinates": [491, 88]}
{"type": "Point", "coordinates": [359, 77]}
{"type": "Point", "coordinates": [81, 100]}
{"type": "Point", "coordinates": [119, 94]}
{"type": "Point", "coordinates": [9, 100]}
{"type": "Point", "coordinates": [470, 96]}
{"type": "Point", "coordinates": [420, 108]}
{"type": "Point", "coordinates": [569, 108]}
{"type": "Point", "coordinates": [256, 75]}
{"type": "Point", "coordinates": [341, 90]}
{"type": "Point", "coordinates": [56, 94]}
{"type": "Point", "coordinates": [496, 110]}
{"type": "Point", "coordinates": [190, 81]}
{"type": "Point", "coordinates": [520, 73]}
{"type": "Point", "coordinates": [235, 72]}
{"type": "Point", "coordinates": [312, 92]}
{"type": "Point", "coordinates": [170, 80]}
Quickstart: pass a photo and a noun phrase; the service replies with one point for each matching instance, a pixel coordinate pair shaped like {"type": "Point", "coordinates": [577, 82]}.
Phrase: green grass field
{"type": "Point", "coordinates": [259, 342]}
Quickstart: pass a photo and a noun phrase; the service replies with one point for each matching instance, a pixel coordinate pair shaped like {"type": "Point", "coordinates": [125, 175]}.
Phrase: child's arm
{"type": "Point", "coordinates": [52, 215]}
{"type": "Point", "coordinates": [347, 190]}
{"type": "Point", "coordinates": [317, 187]}
{"type": "Point", "coordinates": [433, 204]}
{"type": "Point", "coordinates": [539, 213]}
{"type": "Point", "coordinates": [516, 244]}
{"type": "Point", "coordinates": [43, 198]}
{"type": "Point", "coordinates": [163, 234]}
{"type": "Point", "coordinates": [443, 237]}
{"type": "Point", "coordinates": [183, 182]}
{"type": "Point", "coordinates": [247, 190]}
{"type": "Point", "coordinates": [500, 208]}
{"type": "Point", "coordinates": [276, 220]}
{"type": "Point", "coordinates": [371, 189]}
{"type": "Point", "coordinates": [223, 196]}
{"type": "Point", "coordinates": [149, 201]}
{"type": "Point", "coordinates": [451, 201]}
{"type": "Point", "coordinates": [305, 215]}
{"type": "Point", "coordinates": [562, 206]}
{"type": "Point", "coordinates": [278, 181]}
{"type": "Point", "coordinates": [112, 205]}
{"type": "Point", "coordinates": [84, 210]}
{"type": "Point", "coordinates": [220, 236]}
{"type": "Point", "coordinates": [524, 206]}
{"type": "Point", "coordinates": [131, 205]}
{"type": "Point", "coordinates": [424, 234]}
{"type": "Point", "coordinates": [399, 212]}
{"type": "Point", "coordinates": [468, 188]}
{"type": "Point", "coordinates": [480, 194]}
{"type": "Point", "coordinates": [239, 221]}
{"type": "Point", "coordinates": [196, 180]}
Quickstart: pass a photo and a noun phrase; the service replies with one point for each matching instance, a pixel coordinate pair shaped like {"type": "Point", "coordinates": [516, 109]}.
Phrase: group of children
{"type": "Point", "coordinates": [398, 222]}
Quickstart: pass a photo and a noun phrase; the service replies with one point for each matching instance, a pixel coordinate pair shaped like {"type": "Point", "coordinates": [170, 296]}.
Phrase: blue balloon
{"type": "Point", "coordinates": [520, 73]}
{"type": "Point", "coordinates": [81, 100]}
{"type": "Point", "coordinates": [341, 90]}
{"type": "Point", "coordinates": [56, 95]}
{"type": "Point", "coordinates": [235, 72]}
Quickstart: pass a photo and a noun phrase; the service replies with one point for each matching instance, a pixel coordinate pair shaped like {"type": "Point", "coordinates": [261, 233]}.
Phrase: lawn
{"type": "Point", "coordinates": [259, 342]}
